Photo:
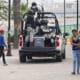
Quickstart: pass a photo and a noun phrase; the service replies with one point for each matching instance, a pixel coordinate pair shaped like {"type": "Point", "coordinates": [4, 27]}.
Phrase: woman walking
{"type": "Point", "coordinates": [75, 41]}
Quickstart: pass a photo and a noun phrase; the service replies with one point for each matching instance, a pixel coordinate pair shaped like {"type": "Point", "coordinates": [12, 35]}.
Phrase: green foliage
{"type": "Point", "coordinates": [24, 8]}
{"type": "Point", "coordinates": [3, 10]}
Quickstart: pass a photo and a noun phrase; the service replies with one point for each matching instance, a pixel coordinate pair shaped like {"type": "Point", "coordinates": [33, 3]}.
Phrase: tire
{"type": "Point", "coordinates": [22, 58]}
{"type": "Point", "coordinates": [29, 57]}
{"type": "Point", "coordinates": [64, 55]}
{"type": "Point", "coordinates": [59, 58]}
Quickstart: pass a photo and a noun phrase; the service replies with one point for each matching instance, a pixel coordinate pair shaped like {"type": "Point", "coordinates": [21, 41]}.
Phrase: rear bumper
{"type": "Point", "coordinates": [37, 52]}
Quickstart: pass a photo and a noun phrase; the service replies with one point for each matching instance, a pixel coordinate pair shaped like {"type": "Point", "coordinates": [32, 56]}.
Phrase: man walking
{"type": "Point", "coordinates": [2, 45]}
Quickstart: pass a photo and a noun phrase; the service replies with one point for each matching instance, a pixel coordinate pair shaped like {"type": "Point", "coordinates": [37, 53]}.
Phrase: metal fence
{"type": "Point", "coordinates": [57, 6]}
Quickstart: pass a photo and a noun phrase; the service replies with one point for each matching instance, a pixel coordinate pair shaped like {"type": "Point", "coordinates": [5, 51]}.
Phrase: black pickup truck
{"type": "Point", "coordinates": [41, 37]}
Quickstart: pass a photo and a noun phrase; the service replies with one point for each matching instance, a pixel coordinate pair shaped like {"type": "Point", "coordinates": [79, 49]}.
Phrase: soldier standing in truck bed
{"type": "Point", "coordinates": [31, 17]}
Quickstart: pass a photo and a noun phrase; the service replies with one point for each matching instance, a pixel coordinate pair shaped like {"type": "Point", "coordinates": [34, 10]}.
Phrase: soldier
{"type": "Point", "coordinates": [34, 8]}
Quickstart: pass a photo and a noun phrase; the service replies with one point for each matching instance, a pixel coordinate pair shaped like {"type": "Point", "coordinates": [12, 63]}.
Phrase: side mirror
{"type": "Point", "coordinates": [66, 34]}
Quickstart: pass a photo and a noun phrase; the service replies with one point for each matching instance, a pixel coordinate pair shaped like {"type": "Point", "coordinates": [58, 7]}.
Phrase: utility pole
{"type": "Point", "coordinates": [42, 6]}
{"type": "Point", "coordinates": [77, 13]}
{"type": "Point", "coordinates": [64, 18]}
{"type": "Point", "coordinates": [9, 27]}
{"type": "Point", "coordinates": [27, 2]}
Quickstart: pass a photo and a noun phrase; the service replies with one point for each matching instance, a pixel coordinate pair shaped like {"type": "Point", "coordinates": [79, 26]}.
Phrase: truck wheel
{"type": "Point", "coordinates": [64, 55]}
{"type": "Point", "coordinates": [29, 57]}
{"type": "Point", "coordinates": [22, 58]}
{"type": "Point", "coordinates": [59, 58]}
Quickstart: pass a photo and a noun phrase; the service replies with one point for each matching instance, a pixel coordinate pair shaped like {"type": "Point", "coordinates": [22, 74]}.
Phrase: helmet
{"type": "Point", "coordinates": [34, 4]}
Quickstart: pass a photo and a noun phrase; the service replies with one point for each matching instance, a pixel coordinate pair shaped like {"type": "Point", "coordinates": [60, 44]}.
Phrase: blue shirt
{"type": "Point", "coordinates": [2, 41]}
{"type": "Point", "coordinates": [75, 47]}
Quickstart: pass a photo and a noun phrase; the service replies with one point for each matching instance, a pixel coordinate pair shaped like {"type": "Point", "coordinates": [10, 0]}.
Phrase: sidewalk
{"type": "Point", "coordinates": [37, 70]}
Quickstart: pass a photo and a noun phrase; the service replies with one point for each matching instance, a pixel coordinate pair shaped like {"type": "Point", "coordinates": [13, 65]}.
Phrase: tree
{"type": "Point", "coordinates": [17, 21]}
{"type": "Point", "coordinates": [18, 11]}
{"type": "Point", "coordinates": [3, 10]}
{"type": "Point", "coordinates": [23, 8]}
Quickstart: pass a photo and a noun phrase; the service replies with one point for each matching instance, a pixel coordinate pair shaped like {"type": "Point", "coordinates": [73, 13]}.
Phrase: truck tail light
{"type": "Point", "coordinates": [57, 42]}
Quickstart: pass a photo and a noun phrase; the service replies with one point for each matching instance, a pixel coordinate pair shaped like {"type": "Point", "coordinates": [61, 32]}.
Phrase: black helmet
{"type": "Point", "coordinates": [34, 4]}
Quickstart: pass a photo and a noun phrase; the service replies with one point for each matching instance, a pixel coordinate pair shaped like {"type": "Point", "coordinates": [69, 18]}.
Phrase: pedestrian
{"type": "Point", "coordinates": [2, 46]}
{"type": "Point", "coordinates": [75, 41]}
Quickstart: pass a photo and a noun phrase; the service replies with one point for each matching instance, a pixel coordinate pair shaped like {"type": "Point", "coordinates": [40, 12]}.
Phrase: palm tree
{"type": "Point", "coordinates": [3, 10]}
{"type": "Point", "coordinates": [18, 11]}
{"type": "Point", "coordinates": [17, 21]}
{"type": "Point", "coordinates": [23, 8]}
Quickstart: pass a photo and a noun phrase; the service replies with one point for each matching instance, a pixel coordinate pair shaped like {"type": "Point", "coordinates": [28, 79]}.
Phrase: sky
{"type": "Point", "coordinates": [46, 0]}
{"type": "Point", "coordinates": [53, 0]}
{"type": "Point", "coordinates": [49, 0]}
{"type": "Point", "coordinates": [43, 1]}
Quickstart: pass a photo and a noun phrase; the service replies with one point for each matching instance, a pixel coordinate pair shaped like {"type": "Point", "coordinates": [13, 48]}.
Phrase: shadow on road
{"type": "Point", "coordinates": [41, 61]}
{"type": "Point", "coordinates": [33, 61]}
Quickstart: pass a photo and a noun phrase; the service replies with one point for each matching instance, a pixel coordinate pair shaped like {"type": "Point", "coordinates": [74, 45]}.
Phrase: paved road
{"type": "Point", "coordinates": [37, 70]}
